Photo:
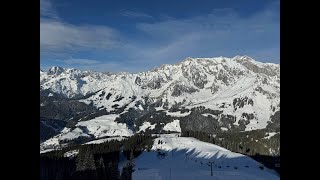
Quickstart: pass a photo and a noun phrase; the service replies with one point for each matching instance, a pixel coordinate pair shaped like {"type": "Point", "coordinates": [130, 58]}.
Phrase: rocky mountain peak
{"type": "Point", "coordinates": [55, 70]}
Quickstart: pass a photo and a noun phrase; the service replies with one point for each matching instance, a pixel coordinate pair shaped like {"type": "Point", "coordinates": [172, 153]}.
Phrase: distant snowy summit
{"type": "Point", "coordinates": [203, 72]}
{"type": "Point", "coordinates": [238, 58]}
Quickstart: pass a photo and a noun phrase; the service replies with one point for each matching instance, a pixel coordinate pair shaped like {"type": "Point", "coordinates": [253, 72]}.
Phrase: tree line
{"type": "Point", "coordinates": [94, 161]}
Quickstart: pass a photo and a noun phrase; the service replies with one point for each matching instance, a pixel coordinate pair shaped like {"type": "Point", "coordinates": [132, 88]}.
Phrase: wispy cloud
{"type": "Point", "coordinates": [79, 61]}
{"type": "Point", "coordinates": [47, 9]}
{"type": "Point", "coordinates": [94, 66]}
{"type": "Point", "coordinates": [107, 67]}
{"type": "Point", "coordinates": [220, 33]}
{"type": "Point", "coordinates": [61, 39]}
{"type": "Point", "coordinates": [57, 37]}
{"type": "Point", "coordinates": [132, 14]}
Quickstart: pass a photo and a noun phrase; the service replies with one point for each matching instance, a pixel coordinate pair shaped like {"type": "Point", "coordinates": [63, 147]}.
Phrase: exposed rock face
{"type": "Point", "coordinates": [240, 102]}
{"type": "Point", "coordinates": [55, 71]}
{"type": "Point", "coordinates": [179, 89]}
{"type": "Point", "coordinates": [274, 125]}
{"type": "Point", "coordinates": [250, 64]}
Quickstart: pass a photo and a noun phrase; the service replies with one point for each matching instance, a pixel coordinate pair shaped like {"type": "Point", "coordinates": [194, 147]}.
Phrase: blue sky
{"type": "Point", "coordinates": [138, 35]}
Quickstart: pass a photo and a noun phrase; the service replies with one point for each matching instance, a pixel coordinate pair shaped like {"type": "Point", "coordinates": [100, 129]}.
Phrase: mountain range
{"type": "Point", "coordinates": [236, 100]}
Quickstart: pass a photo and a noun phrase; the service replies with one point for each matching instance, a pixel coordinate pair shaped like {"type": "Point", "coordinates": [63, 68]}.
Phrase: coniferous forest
{"type": "Point", "coordinates": [94, 161]}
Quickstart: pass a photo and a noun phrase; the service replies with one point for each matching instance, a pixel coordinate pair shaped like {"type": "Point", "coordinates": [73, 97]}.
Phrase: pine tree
{"type": "Point", "coordinates": [101, 163]}
{"type": "Point", "coordinates": [127, 172]}
{"type": "Point", "coordinates": [101, 169]}
{"type": "Point", "coordinates": [80, 160]}
{"type": "Point", "coordinates": [90, 165]}
{"type": "Point", "coordinates": [85, 160]}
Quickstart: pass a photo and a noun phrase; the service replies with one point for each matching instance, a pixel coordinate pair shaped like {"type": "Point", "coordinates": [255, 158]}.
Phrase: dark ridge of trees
{"type": "Point", "coordinates": [64, 109]}
{"type": "Point", "coordinates": [133, 146]}
{"type": "Point", "coordinates": [94, 161]}
{"type": "Point", "coordinates": [271, 162]}
{"type": "Point", "coordinates": [244, 143]}
{"type": "Point", "coordinates": [50, 127]}
{"type": "Point", "coordinates": [127, 171]}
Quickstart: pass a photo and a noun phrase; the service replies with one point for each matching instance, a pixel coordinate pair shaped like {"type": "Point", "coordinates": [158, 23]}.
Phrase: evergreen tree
{"type": "Point", "coordinates": [127, 172]}
{"type": "Point", "coordinates": [90, 165]}
{"type": "Point", "coordinates": [85, 160]}
{"type": "Point", "coordinates": [101, 169]}
{"type": "Point", "coordinates": [80, 160]}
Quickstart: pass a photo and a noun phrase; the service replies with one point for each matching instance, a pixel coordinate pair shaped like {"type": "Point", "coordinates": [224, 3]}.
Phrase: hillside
{"type": "Point", "coordinates": [188, 158]}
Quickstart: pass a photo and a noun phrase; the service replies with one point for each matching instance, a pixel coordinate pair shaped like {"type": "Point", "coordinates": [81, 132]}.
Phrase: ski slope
{"type": "Point", "coordinates": [188, 159]}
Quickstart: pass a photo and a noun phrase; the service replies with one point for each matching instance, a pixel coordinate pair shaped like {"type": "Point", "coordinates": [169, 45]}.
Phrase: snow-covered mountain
{"type": "Point", "coordinates": [201, 94]}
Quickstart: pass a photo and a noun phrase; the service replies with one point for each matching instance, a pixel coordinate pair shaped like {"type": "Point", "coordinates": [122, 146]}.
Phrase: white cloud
{"type": "Point", "coordinates": [59, 37]}
{"type": "Point", "coordinates": [106, 67]}
{"type": "Point", "coordinates": [79, 61]}
{"type": "Point", "coordinates": [135, 14]}
{"type": "Point", "coordinates": [47, 9]}
{"type": "Point", "coordinates": [220, 33]}
{"type": "Point", "coordinates": [92, 65]}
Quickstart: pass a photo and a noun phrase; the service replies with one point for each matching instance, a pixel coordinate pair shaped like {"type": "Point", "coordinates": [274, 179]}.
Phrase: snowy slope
{"type": "Point", "coordinates": [146, 125]}
{"type": "Point", "coordinates": [99, 141]}
{"type": "Point", "coordinates": [188, 158]}
{"type": "Point", "coordinates": [103, 126]}
{"type": "Point", "coordinates": [174, 126]}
